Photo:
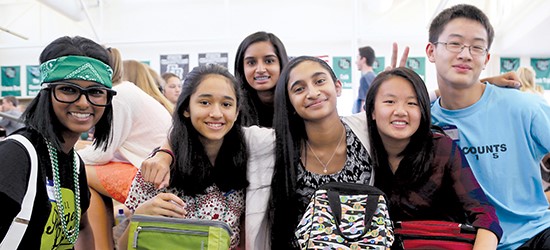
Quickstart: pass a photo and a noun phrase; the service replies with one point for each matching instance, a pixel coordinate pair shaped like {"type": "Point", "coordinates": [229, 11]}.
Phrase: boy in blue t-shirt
{"type": "Point", "coordinates": [503, 132]}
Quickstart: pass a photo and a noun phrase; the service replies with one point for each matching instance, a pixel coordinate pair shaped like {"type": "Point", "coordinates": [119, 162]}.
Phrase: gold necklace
{"type": "Point", "coordinates": [325, 170]}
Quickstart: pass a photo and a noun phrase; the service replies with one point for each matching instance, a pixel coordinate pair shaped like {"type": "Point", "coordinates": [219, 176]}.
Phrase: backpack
{"type": "Point", "coordinates": [346, 216]}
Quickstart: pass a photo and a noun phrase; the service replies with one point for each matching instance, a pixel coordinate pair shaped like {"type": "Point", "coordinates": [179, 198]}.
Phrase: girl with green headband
{"type": "Point", "coordinates": [40, 161]}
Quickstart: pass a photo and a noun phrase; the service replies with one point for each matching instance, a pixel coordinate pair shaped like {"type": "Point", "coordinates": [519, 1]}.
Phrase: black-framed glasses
{"type": "Point", "coordinates": [456, 47]}
{"type": "Point", "coordinates": [67, 92]}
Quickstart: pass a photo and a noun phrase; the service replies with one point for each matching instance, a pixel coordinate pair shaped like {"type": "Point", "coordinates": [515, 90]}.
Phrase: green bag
{"type": "Point", "coordinates": [157, 232]}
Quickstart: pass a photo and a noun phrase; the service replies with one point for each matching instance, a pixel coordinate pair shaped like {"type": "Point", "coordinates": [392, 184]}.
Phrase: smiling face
{"type": "Point", "coordinates": [261, 66]}
{"type": "Point", "coordinates": [213, 108]}
{"type": "Point", "coordinates": [80, 116]}
{"type": "Point", "coordinates": [459, 70]}
{"type": "Point", "coordinates": [172, 89]}
{"type": "Point", "coordinates": [396, 111]}
{"type": "Point", "coordinates": [312, 91]}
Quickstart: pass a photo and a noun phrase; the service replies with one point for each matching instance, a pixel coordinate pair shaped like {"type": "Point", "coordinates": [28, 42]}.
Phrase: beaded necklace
{"type": "Point", "coordinates": [72, 234]}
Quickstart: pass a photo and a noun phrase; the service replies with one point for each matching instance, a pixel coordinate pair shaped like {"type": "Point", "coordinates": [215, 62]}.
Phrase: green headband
{"type": "Point", "coordinates": [76, 68]}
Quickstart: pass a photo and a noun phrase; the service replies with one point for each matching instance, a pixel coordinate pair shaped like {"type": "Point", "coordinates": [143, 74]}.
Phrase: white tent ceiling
{"type": "Point", "coordinates": [522, 26]}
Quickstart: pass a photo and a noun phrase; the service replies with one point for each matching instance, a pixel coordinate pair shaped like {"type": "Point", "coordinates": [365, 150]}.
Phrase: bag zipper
{"type": "Point", "coordinates": [165, 230]}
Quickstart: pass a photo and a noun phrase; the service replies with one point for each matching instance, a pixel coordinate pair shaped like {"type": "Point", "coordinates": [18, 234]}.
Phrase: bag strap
{"type": "Point", "coordinates": [21, 221]}
{"type": "Point", "coordinates": [334, 203]}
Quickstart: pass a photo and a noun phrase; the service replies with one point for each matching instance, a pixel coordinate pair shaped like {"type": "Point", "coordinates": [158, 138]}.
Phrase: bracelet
{"type": "Point", "coordinates": [168, 151]}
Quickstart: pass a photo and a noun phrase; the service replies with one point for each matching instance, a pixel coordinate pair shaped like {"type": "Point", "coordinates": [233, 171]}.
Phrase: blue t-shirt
{"type": "Point", "coordinates": [364, 84]}
{"type": "Point", "coordinates": [504, 136]}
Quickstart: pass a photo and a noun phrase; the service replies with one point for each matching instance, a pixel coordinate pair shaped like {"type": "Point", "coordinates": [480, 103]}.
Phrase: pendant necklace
{"type": "Point", "coordinates": [325, 166]}
{"type": "Point", "coordinates": [72, 234]}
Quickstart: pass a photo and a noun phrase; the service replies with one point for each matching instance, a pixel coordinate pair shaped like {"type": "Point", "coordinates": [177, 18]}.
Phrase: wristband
{"type": "Point", "coordinates": [168, 151]}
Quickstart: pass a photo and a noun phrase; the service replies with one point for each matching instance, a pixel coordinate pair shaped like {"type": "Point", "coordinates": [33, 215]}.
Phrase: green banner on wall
{"type": "Point", "coordinates": [508, 64]}
{"type": "Point", "coordinates": [11, 81]}
{"type": "Point", "coordinates": [542, 70]}
{"type": "Point", "coordinates": [33, 80]}
{"type": "Point", "coordinates": [379, 65]}
{"type": "Point", "coordinates": [418, 64]}
{"type": "Point", "coordinates": [342, 69]}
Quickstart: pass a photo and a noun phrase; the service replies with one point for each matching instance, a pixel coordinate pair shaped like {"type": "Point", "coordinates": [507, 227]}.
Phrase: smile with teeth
{"type": "Point", "coordinates": [214, 125]}
{"type": "Point", "coordinates": [81, 115]}
{"type": "Point", "coordinates": [261, 78]}
{"type": "Point", "coordinates": [399, 123]}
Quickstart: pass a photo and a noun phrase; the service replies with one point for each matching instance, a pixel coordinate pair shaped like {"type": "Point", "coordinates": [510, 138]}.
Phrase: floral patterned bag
{"type": "Point", "coordinates": [346, 216]}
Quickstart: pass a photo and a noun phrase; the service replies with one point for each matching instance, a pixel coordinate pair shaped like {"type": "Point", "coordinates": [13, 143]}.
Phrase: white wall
{"type": "Point", "coordinates": [144, 29]}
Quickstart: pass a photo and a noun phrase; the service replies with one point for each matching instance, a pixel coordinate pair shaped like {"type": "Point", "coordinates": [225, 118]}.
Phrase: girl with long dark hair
{"type": "Point", "coordinates": [75, 97]}
{"type": "Point", "coordinates": [208, 174]}
{"type": "Point", "coordinates": [421, 170]}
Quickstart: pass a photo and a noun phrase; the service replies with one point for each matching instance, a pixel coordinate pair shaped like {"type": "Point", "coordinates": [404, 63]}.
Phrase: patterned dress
{"type": "Point", "coordinates": [214, 204]}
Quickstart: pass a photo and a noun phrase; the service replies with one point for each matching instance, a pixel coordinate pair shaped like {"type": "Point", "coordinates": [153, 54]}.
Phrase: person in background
{"type": "Point", "coordinates": [364, 63]}
{"type": "Point", "coordinates": [259, 60]}
{"type": "Point", "coordinates": [209, 166]}
{"type": "Point", "coordinates": [71, 102]}
{"type": "Point", "coordinates": [138, 73]}
{"type": "Point", "coordinates": [9, 107]}
{"type": "Point", "coordinates": [159, 81]}
{"type": "Point", "coordinates": [502, 132]}
{"type": "Point", "coordinates": [527, 77]}
{"type": "Point", "coordinates": [140, 123]}
{"type": "Point", "coordinates": [172, 87]}
{"type": "Point", "coordinates": [421, 170]}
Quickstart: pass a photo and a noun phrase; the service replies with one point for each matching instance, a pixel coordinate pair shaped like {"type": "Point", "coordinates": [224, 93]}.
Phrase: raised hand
{"type": "Point", "coordinates": [404, 57]}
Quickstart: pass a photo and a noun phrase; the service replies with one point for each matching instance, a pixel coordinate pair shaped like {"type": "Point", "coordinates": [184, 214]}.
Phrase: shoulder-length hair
{"type": "Point", "coordinates": [418, 154]}
{"type": "Point", "coordinates": [139, 74]}
{"type": "Point", "coordinates": [249, 114]}
{"type": "Point", "coordinates": [192, 170]}
{"type": "Point", "coordinates": [40, 116]}
{"type": "Point", "coordinates": [291, 133]}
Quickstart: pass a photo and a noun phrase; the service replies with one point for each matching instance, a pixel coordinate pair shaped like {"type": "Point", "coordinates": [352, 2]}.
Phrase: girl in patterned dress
{"type": "Point", "coordinates": [208, 172]}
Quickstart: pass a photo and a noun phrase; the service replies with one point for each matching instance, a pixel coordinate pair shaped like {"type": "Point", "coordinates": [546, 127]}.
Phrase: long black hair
{"type": "Point", "coordinates": [252, 106]}
{"type": "Point", "coordinates": [192, 170]}
{"type": "Point", "coordinates": [291, 134]}
{"type": "Point", "coordinates": [40, 116]}
{"type": "Point", "coordinates": [418, 154]}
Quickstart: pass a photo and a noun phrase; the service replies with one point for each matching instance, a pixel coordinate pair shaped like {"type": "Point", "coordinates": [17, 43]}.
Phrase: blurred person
{"type": "Point", "coordinates": [139, 74]}
{"type": "Point", "coordinates": [159, 81]}
{"type": "Point", "coordinates": [9, 106]}
{"type": "Point", "coordinates": [364, 63]}
{"type": "Point", "coordinates": [527, 77]}
{"type": "Point", "coordinates": [172, 86]}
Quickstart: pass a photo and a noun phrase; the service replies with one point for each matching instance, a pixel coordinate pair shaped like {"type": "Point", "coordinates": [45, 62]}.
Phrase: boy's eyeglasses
{"type": "Point", "coordinates": [455, 47]}
{"type": "Point", "coordinates": [67, 92]}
